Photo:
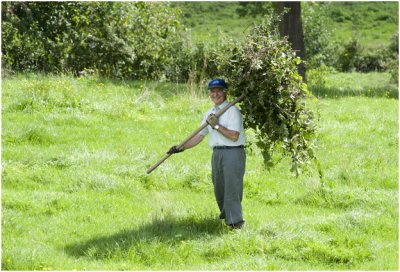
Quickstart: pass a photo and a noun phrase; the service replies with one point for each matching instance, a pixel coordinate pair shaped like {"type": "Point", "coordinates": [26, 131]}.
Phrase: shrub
{"type": "Point", "coordinates": [318, 39]}
{"type": "Point", "coordinates": [121, 39]}
{"type": "Point", "coordinates": [393, 54]}
{"type": "Point", "coordinates": [371, 61]}
{"type": "Point", "coordinates": [394, 70]}
{"type": "Point", "coordinates": [318, 76]}
{"type": "Point", "coordinates": [353, 56]}
{"type": "Point", "coordinates": [348, 55]}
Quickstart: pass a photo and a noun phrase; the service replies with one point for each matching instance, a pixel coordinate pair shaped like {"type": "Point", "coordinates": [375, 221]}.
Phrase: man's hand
{"type": "Point", "coordinates": [174, 150]}
{"type": "Point", "coordinates": [212, 120]}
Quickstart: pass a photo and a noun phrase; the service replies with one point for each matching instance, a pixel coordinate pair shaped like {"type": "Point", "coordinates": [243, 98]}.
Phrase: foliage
{"type": "Point", "coordinates": [349, 55]}
{"type": "Point", "coordinates": [191, 63]}
{"type": "Point", "coordinates": [318, 76]}
{"type": "Point", "coordinates": [31, 35]}
{"type": "Point", "coordinates": [125, 39]}
{"type": "Point", "coordinates": [255, 8]}
{"type": "Point", "coordinates": [318, 39]}
{"type": "Point", "coordinates": [148, 40]}
{"type": "Point", "coordinates": [353, 56]}
{"type": "Point", "coordinates": [318, 42]}
{"type": "Point", "coordinates": [393, 53]}
{"type": "Point", "coordinates": [264, 69]}
{"type": "Point", "coordinates": [121, 39]}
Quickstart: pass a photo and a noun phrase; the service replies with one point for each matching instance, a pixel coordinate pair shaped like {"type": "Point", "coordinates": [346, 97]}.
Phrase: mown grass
{"type": "Point", "coordinates": [75, 194]}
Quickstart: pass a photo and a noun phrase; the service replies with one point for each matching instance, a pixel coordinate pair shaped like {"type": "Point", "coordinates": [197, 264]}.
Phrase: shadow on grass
{"type": "Point", "coordinates": [334, 92]}
{"type": "Point", "coordinates": [169, 231]}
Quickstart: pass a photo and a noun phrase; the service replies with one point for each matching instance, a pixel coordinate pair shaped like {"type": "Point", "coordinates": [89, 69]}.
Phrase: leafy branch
{"type": "Point", "coordinates": [265, 70]}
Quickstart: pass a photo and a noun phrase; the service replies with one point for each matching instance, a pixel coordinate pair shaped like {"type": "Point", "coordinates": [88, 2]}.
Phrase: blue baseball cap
{"type": "Point", "coordinates": [217, 83]}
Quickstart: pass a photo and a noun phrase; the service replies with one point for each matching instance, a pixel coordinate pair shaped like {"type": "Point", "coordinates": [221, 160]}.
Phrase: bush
{"type": "Point", "coordinates": [191, 63]}
{"type": "Point", "coordinates": [318, 39]}
{"type": "Point", "coordinates": [394, 70]}
{"type": "Point", "coordinates": [348, 55]}
{"type": "Point", "coordinates": [318, 76]}
{"type": "Point", "coordinates": [353, 56]}
{"type": "Point", "coordinates": [119, 39]}
{"type": "Point", "coordinates": [393, 53]}
{"type": "Point", "coordinates": [371, 61]}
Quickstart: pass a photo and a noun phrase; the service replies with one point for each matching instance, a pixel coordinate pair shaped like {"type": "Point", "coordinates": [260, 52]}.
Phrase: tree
{"type": "Point", "coordinates": [291, 26]}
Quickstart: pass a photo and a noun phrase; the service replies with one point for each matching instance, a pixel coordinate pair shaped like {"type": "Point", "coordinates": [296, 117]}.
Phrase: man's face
{"type": "Point", "coordinates": [217, 95]}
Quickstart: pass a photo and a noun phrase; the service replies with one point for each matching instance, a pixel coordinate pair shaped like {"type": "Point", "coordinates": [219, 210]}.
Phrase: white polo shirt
{"type": "Point", "coordinates": [232, 119]}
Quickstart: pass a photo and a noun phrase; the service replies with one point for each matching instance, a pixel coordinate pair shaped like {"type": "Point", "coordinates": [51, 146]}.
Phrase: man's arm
{"type": "Point", "coordinates": [194, 141]}
{"type": "Point", "coordinates": [232, 135]}
{"type": "Point", "coordinates": [189, 144]}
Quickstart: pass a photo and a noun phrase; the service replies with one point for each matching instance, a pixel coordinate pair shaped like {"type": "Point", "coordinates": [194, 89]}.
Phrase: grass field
{"type": "Point", "coordinates": [208, 21]}
{"type": "Point", "coordinates": [75, 194]}
{"type": "Point", "coordinates": [371, 23]}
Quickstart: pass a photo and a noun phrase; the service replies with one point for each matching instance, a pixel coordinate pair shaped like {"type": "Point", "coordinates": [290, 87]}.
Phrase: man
{"type": "Point", "coordinates": [227, 137]}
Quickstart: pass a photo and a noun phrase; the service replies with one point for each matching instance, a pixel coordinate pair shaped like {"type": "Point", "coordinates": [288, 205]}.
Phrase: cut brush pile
{"type": "Point", "coordinates": [264, 70]}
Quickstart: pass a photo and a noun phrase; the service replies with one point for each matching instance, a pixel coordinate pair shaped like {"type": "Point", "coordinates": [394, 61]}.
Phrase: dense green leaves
{"type": "Point", "coordinates": [122, 39]}
{"type": "Point", "coordinates": [319, 42]}
{"type": "Point", "coordinates": [264, 69]}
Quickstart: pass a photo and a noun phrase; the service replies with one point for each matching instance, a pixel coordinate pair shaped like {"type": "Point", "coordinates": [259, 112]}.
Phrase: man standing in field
{"type": "Point", "coordinates": [227, 137]}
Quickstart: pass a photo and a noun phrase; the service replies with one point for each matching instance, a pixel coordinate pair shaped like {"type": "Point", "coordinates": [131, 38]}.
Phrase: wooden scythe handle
{"type": "Point", "coordinates": [240, 98]}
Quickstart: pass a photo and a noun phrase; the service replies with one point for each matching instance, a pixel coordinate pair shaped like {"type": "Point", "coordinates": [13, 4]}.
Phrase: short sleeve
{"type": "Point", "coordinates": [204, 131]}
{"type": "Point", "coordinates": [235, 120]}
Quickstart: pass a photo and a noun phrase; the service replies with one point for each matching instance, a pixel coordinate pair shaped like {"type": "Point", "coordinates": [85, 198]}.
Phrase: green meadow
{"type": "Point", "coordinates": [371, 23]}
{"type": "Point", "coordinates": [76, 196]}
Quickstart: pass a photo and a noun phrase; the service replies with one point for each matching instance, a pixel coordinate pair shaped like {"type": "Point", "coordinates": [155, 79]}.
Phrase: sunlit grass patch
{"type": "Point", "coordinates": [75, 193]}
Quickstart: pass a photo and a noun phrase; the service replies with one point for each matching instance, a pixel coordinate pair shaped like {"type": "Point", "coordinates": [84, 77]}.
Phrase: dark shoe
{"type": "Point", "coordinates": [238, 225]}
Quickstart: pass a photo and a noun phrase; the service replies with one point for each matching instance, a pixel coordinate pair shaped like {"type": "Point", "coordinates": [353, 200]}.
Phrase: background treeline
{"type": "Point", "coordinates": [153, 40]}
{"type": "Point", "coordinates": [118, 39]}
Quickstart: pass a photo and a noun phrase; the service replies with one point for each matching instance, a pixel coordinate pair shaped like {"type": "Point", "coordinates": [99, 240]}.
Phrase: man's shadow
{"type": "Point", "coordinates": [169, 230]}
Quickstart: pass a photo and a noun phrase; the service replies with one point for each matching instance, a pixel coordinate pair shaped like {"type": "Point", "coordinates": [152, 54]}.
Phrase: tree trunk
{"type": "Point", "coordinates": [291, 26]}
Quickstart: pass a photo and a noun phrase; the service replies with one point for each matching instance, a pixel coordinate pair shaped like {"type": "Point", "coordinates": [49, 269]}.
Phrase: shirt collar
{"type": "Point", "coordinates": [220, 107]}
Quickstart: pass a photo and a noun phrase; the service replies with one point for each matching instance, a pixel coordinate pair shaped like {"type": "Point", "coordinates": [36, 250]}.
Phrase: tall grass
{"type": "Point", "coordinates": [75, 194]}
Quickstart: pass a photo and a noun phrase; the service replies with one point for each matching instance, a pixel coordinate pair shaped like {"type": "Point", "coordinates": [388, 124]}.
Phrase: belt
{"type": "Point", "coordinates": [227, 147]}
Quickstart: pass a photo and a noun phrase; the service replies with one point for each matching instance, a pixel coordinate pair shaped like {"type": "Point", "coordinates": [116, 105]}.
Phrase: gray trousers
{"type": "Point", "coordinates": [228, 167]}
